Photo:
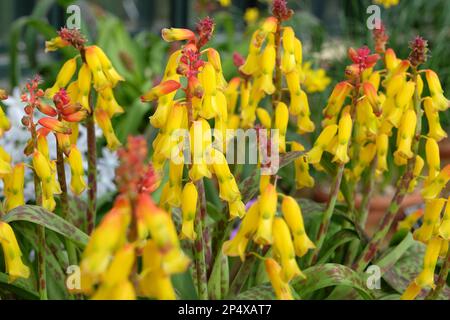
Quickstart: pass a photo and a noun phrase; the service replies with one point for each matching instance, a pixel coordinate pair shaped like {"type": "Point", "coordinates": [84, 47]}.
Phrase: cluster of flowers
{"type": "Point", "coordinates": [13, 184]}
{"type": "Point", "coordinates": [135, 227]}
{"type": "Point", "coordinates": [96, 69]}
{"type": "Point", "coordinates": [262, 74]}
{"type": "Point", "coordinates": [204, 99]}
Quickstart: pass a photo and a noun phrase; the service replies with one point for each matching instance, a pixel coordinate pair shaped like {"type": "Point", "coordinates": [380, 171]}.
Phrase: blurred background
{"type": "Point", "coordinates": [129, 32]}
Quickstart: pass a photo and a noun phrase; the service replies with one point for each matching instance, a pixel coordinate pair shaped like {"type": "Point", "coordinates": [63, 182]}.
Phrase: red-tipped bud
{"type": "Point", "coordinates": [161, 89]}
{"type": "Point", "coordinates": [76, 116]}
{"type": "Point", "coordinates": [55, 125]}
{"type": "Point", "coordinates": [47, 109]}
{"type": "Point", "coordinates": [71, 108]}
{"type": "Point", "coordinates": [177, 34]}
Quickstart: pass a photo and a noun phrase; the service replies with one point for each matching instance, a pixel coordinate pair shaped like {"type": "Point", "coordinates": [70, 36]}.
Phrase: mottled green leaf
{"type": "Point", "coordinates": [336, 240]}
{"type": "Point", "coordinates": [21, 287]}
{"type": "Point", "coordinates": [407, 268]}
{"type": "Point", "coordinates": [330, 275]}
{"type": "Point", "coordinates": [39, 215]}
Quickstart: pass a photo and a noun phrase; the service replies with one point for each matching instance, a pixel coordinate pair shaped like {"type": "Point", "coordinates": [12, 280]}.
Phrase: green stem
{"type": "Point", "coordinates": [323, 228]}
{"type": "Point", "coordinates": [200, 244]}
{"type": "Point", "coordinates": [92, 174]}
{"type": "Point", "coordinates": [41, 254]}
{"type": "Point", "coordinates": [442, 279]}
{"type": "Point", "coordinates": [241, 276]}
{"type": "Point", "coordinates": [71, 251]}
{"type": "Point", "coordinates": [374, 244]}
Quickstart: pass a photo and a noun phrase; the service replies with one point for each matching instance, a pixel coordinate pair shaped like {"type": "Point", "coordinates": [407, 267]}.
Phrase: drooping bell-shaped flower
{"type": "Point", "coordinates": [293, 216]}
{"type": "Point", "coordinates": [284, 250]}
{"type": "Point", "coordinates": [188, 210]}
{"type": "Point", "coordinates": [15, 267]}
{"type": "Point", "coordinates": [281, 287]}
{"type": "Point", "coordinates": [431, 216]}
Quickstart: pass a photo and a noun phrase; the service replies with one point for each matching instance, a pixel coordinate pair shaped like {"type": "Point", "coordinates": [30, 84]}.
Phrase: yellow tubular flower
{"type": "Point", "coordinates": [324, 139]}
{"type": "Point", "coordinates": [418, 166]}
{"type": "Point", "coordinates": [12, 253]}
{"type": "Point", "coordinates": [293, 216]}
{"type": "Point", "coordinates": [174, 197]}
{"type": "Point", "coordinates": [237, 209]}
{"type": "Point", "coordinates": [13, 183]}
{"type": "Point", "coordinates": [84, 86]}
{"type": "Point", "coordinates": [372, 96]}
{"type": "Point", "coordinates": [228, 189]}
{"type": "Point", "coordinates": [113, 76]}
{"type": "Point", "coordinates": [264, 117]}
{"type": "Point", "coordinates": [411, 292]}
{"type": "Point", "coordinates": [200, 143]}
{"type": "Point", "coordinates": [435, 130]}
{"type": "Point", "coordinates": [395, 85]}
{"type": "Point", "coordinates": [281, 123]}
{"type": "Point", "coordinates": [162, 230]}
{"type": "Point", "coordinates": [104, 122]}
{"type": "Point", "coordinates": [336, 100]}
{"type": "Point", "coordinates": [267, 63]}
{"type": "Point", "coordinates": [120, 266]}
{"type": "Point", "coordinates": [405, 95]}
{"type": "Point", "coordinates": [288, 58]}
{"type": "Point", "coordinates": [55, 44]}
{"type": "Point", "coordinates": [109, 235]}
{"type": "Point", "coordinates": [284, 250]}
{"type": "Point", "coordinates": [433, 159]}
{"type": "Point", "coordinates": [431, 216]}
{"type": "Point", "coordinates": [236, 246]}
{"type": "Point", "coordinates": [177, 34]}
{"type": "Point", "coordinates": [62, 79]}
{"type": "Point", "coordinates": [382, 144]}
{"type": "Point", "coordinates": [154, 282]}
{"type": "Point", "coordinates": [434, 188]}
{"type": "Point", "coordinates": [444, 227]}
{"type": "Point", "coordinates": [209, 83]}
{"type": "Point", "coordinates": [304, 123]}
{"type": "Point", "coordinates": [426, 277]}
{"type": "Point", "coordinates": [441, 103]}
{"type": "Point", "coordinates": [293, 83]}
{"type": "Point", "coordinates": [5, 159]}
{"type": "Point", "coordinates": [94, 64]}
{"type": "Point", "coordinates": [281, 287]}
{"type": "Point", "coordinates": [267, 210]}
{"type": "Point", "coordinates": [251, 63]}
{"type": "Point", "coordinates": [367, 153]}
{"type": "Point", "coordinates": [406, 134]}
{"type": "Point", "coordinates": [110, 103]}
{"type": "Point", "coordinates": [41, 166]}
{"type": "Point", "coordinates": [5, 125]}
{"type": "Point", "coordinates": [232, 94]}
{"type": "Point", "coordinates": [214, 59]}
{"type": "Point", "coordinates": [302, 176]}
{"type": "Point", "coordinates": [344, 134]}
{"type": "Point", "coordinates": [189, 209]}
{"type": "Point", "coordinates": [121, 291]}
{"type": "Point", "coordinates": [77, 183]}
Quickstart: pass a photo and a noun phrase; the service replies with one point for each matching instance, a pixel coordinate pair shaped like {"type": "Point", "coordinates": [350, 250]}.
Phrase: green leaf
{"type": "Point", "coordinates": [394, 254]}
{"type": "Point", "coordinates": [261, 292]}
{"type": "Point", "coordinates": [336, 240]}
{"type": "Point", "coordinates": [22, 287]}
{"type": "Point", "coordinates": [330, 275]}
{"type": "Point", "coordinates": [39, 215]}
